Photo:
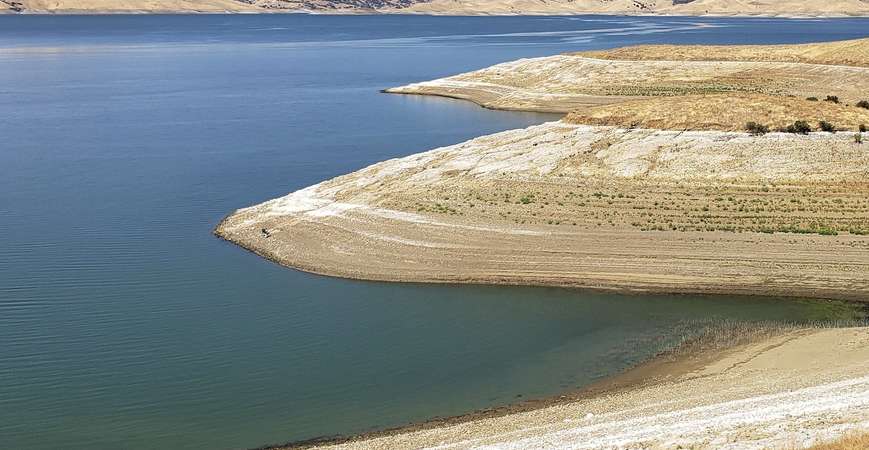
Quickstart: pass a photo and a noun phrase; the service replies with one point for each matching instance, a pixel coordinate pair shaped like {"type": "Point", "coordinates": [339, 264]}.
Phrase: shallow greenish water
{"type": "Point", "coordinates": [125, 139]}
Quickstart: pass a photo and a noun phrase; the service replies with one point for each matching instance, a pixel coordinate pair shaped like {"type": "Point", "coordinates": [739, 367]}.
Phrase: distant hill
{"type": "Point", "coordinates": [672, 7]}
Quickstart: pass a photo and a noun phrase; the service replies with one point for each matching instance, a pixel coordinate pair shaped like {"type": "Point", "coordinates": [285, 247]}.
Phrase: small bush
{"type": "Point", "coordinates": [862, 128]}
{"type": "Point", "coordinates": [812, 99]}
{"type": "Point", "coordinates": [863, 104]}
{"type": "Point", "coordinates": [832, 99]}
{"type": "Point", "coordinates": [858, 138]}
{"type": "Point", "coordinates": [756, 128]}
{"type": "Point", "coordinates": [827, 126]}
{"type": "Point", "coordinates": [799, 127]}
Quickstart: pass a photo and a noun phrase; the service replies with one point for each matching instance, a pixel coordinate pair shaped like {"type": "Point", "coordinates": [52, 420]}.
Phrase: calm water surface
{"type": "Point", "coordinates": [125, 139]}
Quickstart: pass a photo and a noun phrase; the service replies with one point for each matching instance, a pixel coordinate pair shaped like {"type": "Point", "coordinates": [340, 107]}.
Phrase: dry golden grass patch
{"type": "Point", "coordinates": [846, 53]}
{"type": "Point", "coordinates": [728, 112]}
{"type": "Point", "coordinates": [630, 204]}
{"type": "Point", "coordinates": [850, 442]}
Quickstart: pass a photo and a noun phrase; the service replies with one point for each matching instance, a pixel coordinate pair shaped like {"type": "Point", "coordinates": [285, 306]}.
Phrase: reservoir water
{"type": "Point", "coordinates": [125, 139]}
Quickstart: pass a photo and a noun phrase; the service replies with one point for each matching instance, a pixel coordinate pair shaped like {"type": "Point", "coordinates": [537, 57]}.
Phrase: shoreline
{"type": "Point", "coordinates": [445, 217]}
{"type": "Point", "coordinates": [801, 294]}
{"type": "Point", "coordinates": [665, 365]}
{"type": "Point", "coordinates": [631, 207]}
{"type": "Point", "coordinates": [819, 15]}
{"type": "Point", "coordinates": [665, 371]}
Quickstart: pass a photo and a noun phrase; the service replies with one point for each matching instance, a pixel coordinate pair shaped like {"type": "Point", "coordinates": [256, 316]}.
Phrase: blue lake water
{"type": "Point", "coordinates": [125, 139]}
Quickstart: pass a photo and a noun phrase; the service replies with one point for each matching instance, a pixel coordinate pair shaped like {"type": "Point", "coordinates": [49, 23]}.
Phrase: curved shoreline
{"type": "Point", "coordinates": [550, 206]}
{"type": "Point", "coordinates": [665, 372]}
{"type": "Point", "coordinates": [667, 364]}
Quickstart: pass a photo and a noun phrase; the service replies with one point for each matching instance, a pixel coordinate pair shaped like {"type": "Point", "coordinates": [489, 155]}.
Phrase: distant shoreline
{"type": "Point", "coordinates": [423, 13]}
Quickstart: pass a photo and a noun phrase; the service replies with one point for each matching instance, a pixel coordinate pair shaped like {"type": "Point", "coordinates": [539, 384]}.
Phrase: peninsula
{"type": "Point", "coordinates": [650, 184]}
{"type": "Point", "coordinates": [729, 170]}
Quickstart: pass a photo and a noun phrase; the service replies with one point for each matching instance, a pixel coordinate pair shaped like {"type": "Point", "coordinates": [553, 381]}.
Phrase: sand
{"type": "Point", "coordinates": [794, 390]}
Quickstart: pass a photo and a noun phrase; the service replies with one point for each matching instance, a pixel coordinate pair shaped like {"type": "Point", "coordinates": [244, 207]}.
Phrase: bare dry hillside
{"type": "Point", "coordinates": [675, 7]}
{"type": "Point", "coordinates": [727, 112]}
{"type": "Point", "coordinates": [846, 53]}
{"type": "Point", "coordinates": [565, 83]}
{"type": "Point", "coordinates": [602, 207]}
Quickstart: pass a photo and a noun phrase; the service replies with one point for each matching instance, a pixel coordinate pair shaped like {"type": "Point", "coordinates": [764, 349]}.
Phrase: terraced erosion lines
{"type": "Point", "coordinates": [615, 196]}
{"type": "Point", "coordinates": [567, 82]}
{"type": "Point", "coordinates": [573, 205]}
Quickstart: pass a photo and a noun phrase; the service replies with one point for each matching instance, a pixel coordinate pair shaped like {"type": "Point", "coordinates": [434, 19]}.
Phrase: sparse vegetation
{"type": "Point", "coordinates": [726, 112]}
{"type": "Point", "coordinates": [854, 441]}
{"type": "Point", "coordinates": [799, 127]}
{"type": "Point", "coordinates": [827, 126]}
{"type": "Point", "coordinates": [858, 138]}
{"type": "Point", "coordinates": [863, 104]}
{"type": "Point", "coordinates": [832, 99]}
{"type": "Point", "coordinates": [862, 128]}
{"type": "Point", "coordinates": [812, 99]}
{"type": "Point", "coordinates": [756, 128]}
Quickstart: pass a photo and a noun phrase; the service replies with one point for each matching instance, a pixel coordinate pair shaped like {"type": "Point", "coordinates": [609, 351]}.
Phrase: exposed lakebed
{"type": "Point", "coordinates": [124, 323]}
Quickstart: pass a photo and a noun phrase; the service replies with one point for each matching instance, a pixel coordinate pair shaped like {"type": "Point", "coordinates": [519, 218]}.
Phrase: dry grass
{"type": "Point", "coordinates": [728, 112]}
{"type": "Point", "coordinates": [738, 208]}
{"type": "Point", "coordinates": [846, 53]}
{"type": "Point", "coordinates": [856, 441]}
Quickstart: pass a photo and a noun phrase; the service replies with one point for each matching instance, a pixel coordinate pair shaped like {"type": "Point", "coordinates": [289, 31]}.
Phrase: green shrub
{"type": "Point", "coordinates": [756, 128]}
{"type": "Point", "coordinates": [827, 126]}
{"type": "Point", "coordinates": [832, 98]}
{"type": "Point", "coordinates": [812, 99]}
{"type": "Point", "coordinates": [863, 104]}
{"type": "Point", "coordinates": [799, 127]}
{"type": "Point", "coordinates": [858, 138]}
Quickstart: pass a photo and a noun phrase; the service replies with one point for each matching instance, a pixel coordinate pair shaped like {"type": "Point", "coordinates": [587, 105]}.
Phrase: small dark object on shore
{"type": "Point", "coordinates": [266, 233]}
{"type": "Point", "coordinates": [832, 98]}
